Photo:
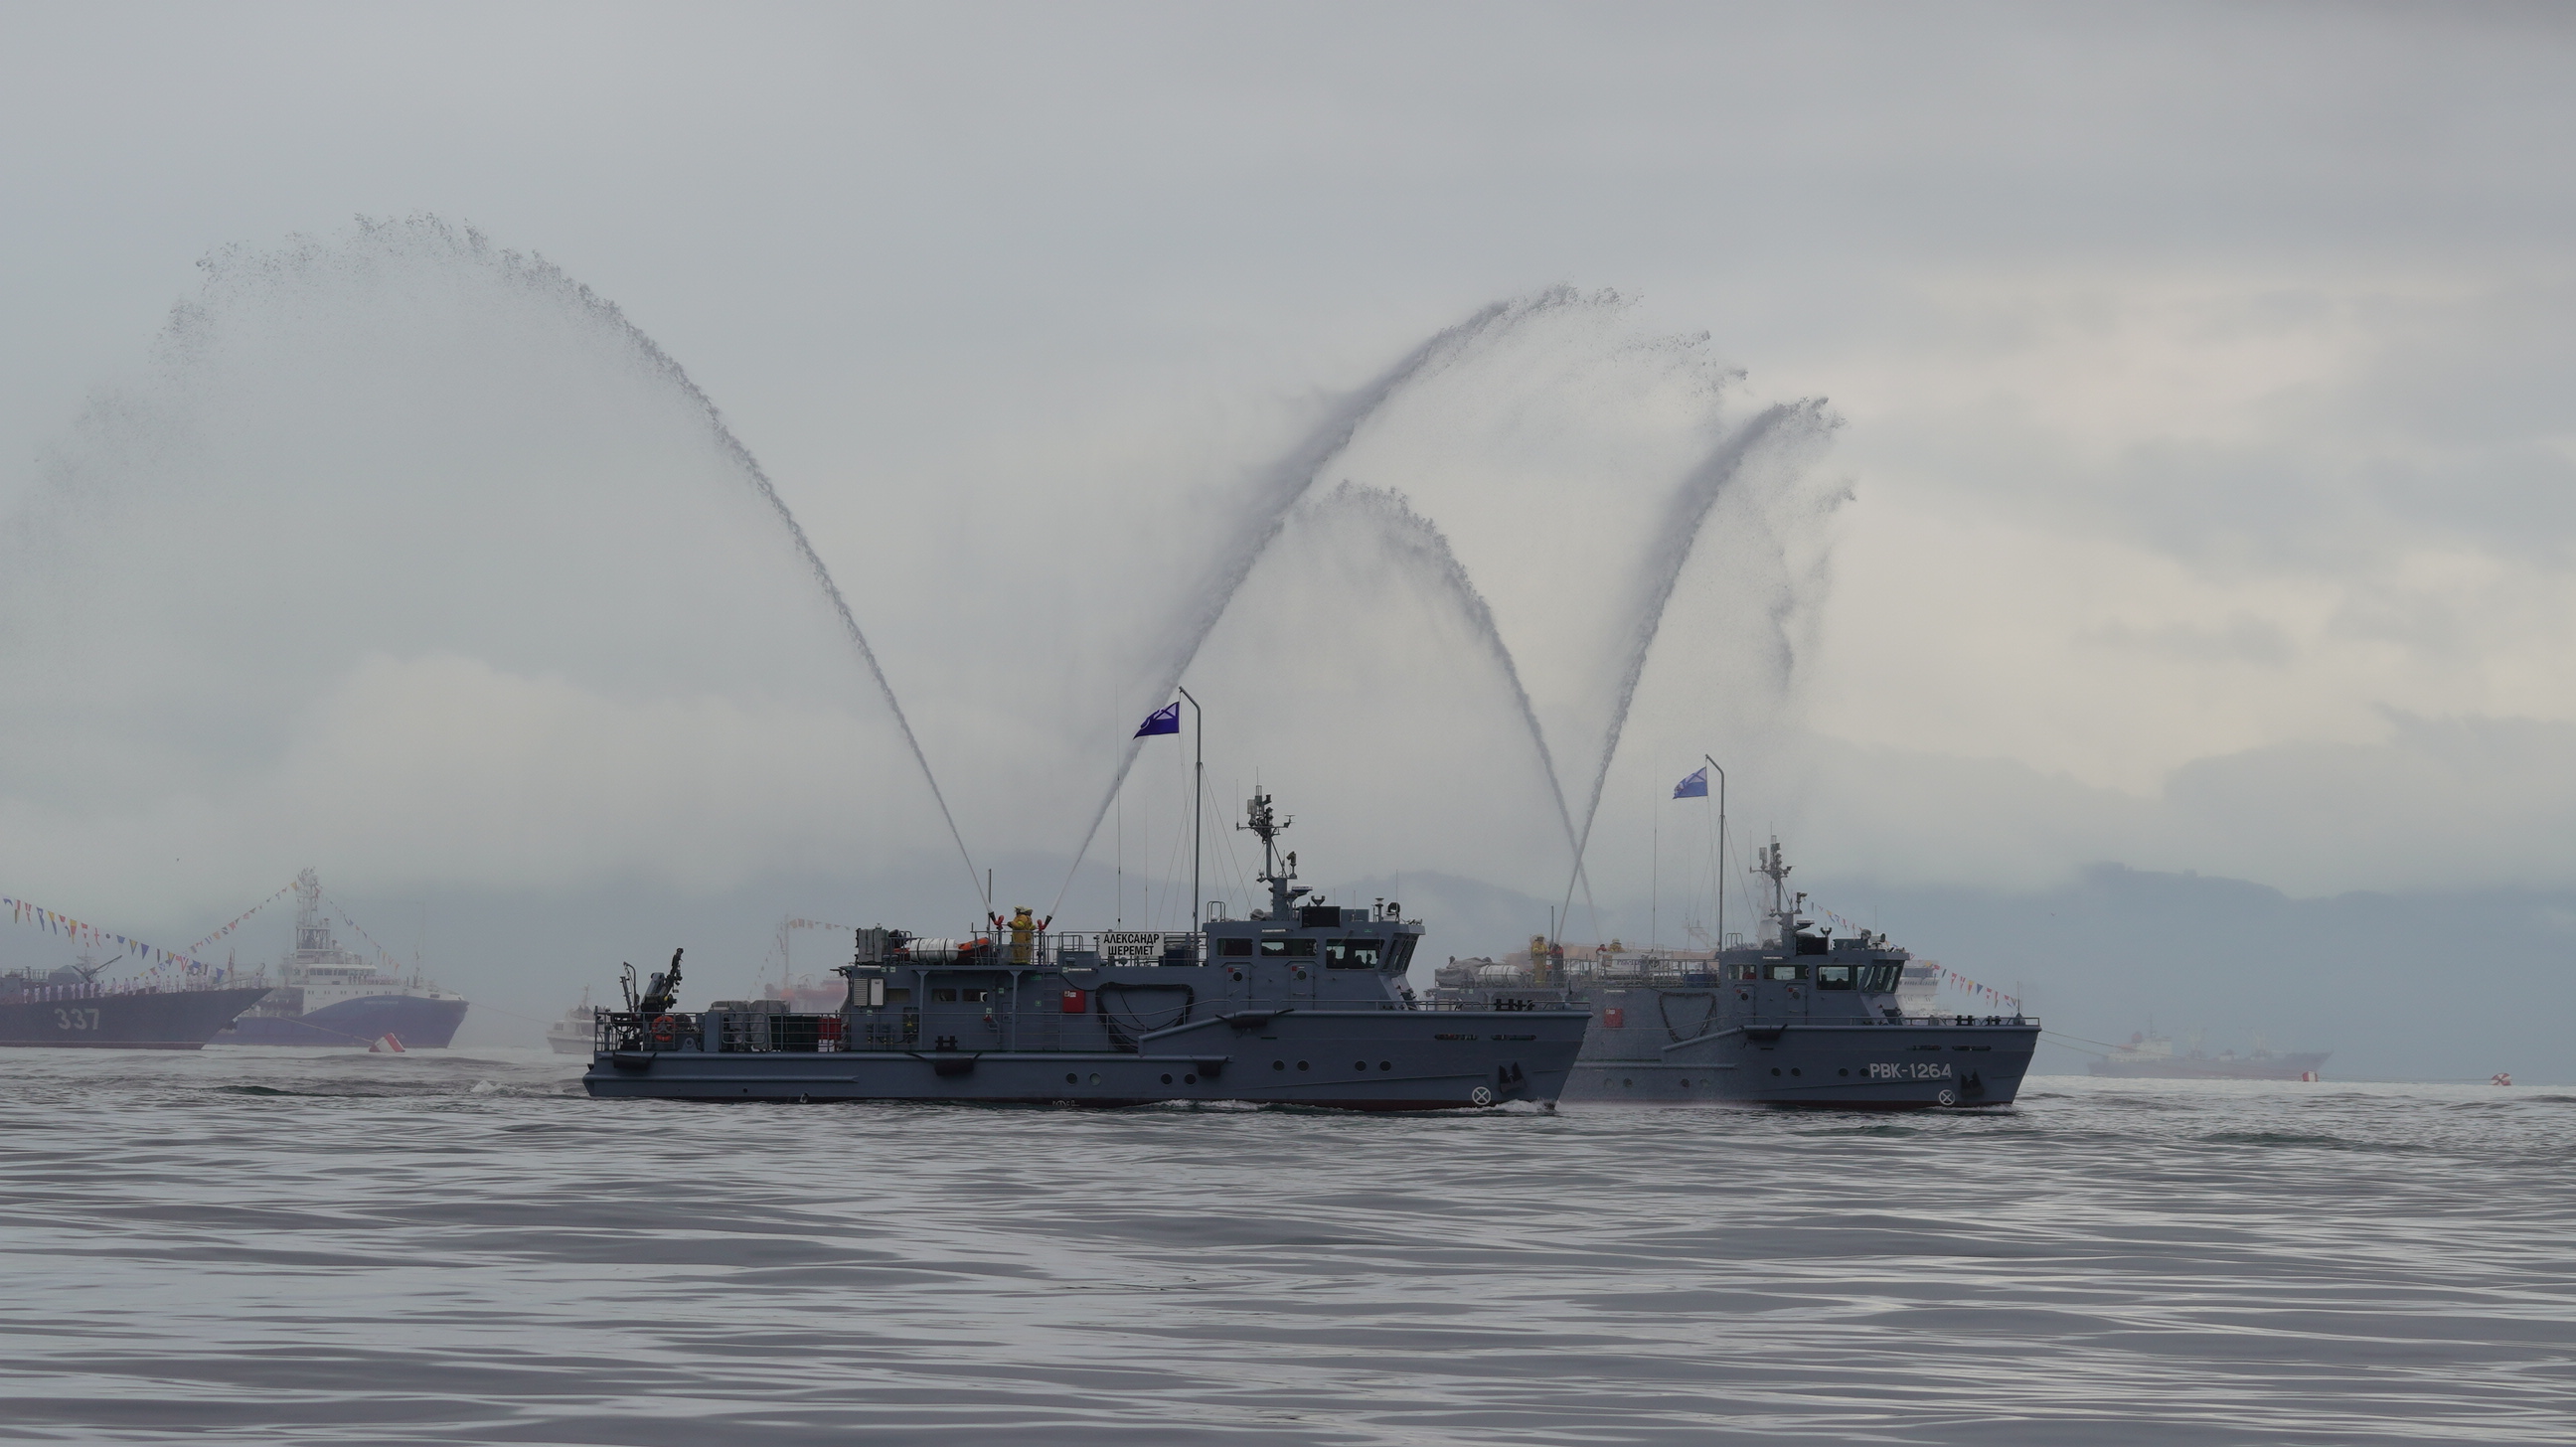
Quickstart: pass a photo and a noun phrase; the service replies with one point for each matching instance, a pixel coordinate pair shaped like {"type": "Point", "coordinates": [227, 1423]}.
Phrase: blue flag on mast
{"type": "Point", "coordinates": [1164, 720]}
{"type": "Point", "coordinates": [1694, 787]}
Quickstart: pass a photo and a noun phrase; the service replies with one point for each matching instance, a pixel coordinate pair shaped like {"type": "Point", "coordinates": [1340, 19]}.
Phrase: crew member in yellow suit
{"type": "Point", "coordinates": [1025, 927]}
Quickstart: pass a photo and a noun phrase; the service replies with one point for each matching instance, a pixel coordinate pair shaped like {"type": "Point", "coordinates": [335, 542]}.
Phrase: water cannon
{"type": "Point", "coordinates": [663, 993]}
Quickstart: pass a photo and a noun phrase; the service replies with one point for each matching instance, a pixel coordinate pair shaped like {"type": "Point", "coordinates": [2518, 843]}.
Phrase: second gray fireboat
{"type": "Point", "coordinates": [1304, 1003]}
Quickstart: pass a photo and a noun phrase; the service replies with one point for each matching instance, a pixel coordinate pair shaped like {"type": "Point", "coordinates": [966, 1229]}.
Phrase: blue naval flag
{"type": "Point", "coordinates": [1694, 787]}
{"type": "Point", "coordinates": [1164, 720]}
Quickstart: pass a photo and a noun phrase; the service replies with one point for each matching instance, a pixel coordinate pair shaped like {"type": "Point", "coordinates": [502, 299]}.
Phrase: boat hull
{"type": "Point", "coordinates": [1373, 1060]}
{"type": "Point", "coordinates": [1840, 1065]}
{"type": "Point", "coordinates": [419, 1023]}
{"type": "Point", "coordinates": [140, 1020]}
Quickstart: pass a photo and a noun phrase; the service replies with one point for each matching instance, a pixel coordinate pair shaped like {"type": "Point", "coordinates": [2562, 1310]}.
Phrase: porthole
{"type": "Point", "coordinates": [1301, 1064]}
{"type": "Point", "coordinates": [1278, 1064]}
{"type": "Point", "coordinates": [1385, 1065]}
{"type": "Point", "coordinates": [1359, 1065]}
{"type": "Point", "coordinates": [1685, 1085]}
{"type": "Point", "coordinates": [1071, 1079]}
{"type": "Point", "coordinates": [1775, 1069]}
{"type": "Point", "coordinates": [1167, 1080]}
{"type": "Point", "coordinates": [1628, 1083]}
{"type": "Point", "coordinates": [1793, 1070]}
{"type": "Point", "coordinates": [1095, 1077]}
{"type": "Point", "coordinates": [1189, 1080]}
{"type": "Point", "coordinates": [1842, 1072]}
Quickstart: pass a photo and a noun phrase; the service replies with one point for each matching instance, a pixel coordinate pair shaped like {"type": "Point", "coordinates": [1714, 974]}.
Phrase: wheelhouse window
{"type": "Point", "coordinates": [1786, 971]}
{"type": "Point", "coordinates": [1234, 949]}
{"type": "Point", "coordinates": [1399, 952]}
{"type": "Point", "coordinates": [1879, 977]}
{"type": "Point", "coordinates": [1288, 949]}
{"type": "Point", "coordinates": [1833, 977]}
{"type": "Point", "coordinates": [1350, 954]}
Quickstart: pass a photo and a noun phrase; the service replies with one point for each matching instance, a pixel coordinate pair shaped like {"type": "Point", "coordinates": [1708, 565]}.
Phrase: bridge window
{"type": "Point", "coordinates": [1880, 978]}
{"type": "Point", "coordinates": [1785, 971]}
{"type": "Point", "coordinates": [1833, 977]}
{"type": "Point", "coordinates": [1350, 954]}
{"type": "Point", "coordinates": [1399, 951]}
{"type": "Point", "coordinates": [1235, 949]}
{"type": "Point", "coordinates": [1286, 949]}
{"type": "Point", "coordinates": [944, 996]}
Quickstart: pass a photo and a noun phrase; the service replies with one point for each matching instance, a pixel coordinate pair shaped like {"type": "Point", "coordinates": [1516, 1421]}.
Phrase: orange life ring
{"type": "Point", "coordinates": [665, 1029]}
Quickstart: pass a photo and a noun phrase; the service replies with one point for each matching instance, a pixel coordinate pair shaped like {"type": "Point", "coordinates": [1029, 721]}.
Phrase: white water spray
{"type": "Point", "coordinates": [537, 271]}
{"type": "Point", "coordinates": [408, 300]}
{"type": "Point", "coordinates": [1417, 542]}
{"type": "Point", "coordinates": [1780, 427]}
{"type": "Point", "coordinates": [1279, 488]}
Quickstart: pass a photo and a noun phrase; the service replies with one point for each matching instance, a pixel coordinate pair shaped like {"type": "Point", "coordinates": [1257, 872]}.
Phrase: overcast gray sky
{"type": "Point", "coordinates": [2200, 495]}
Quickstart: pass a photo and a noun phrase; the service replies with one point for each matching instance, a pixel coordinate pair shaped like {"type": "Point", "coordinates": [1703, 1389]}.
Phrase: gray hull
{"type": "Point", "coordinates": [1852, 1065]}
{"type": "Point", "coordinates": [137, 1020]}
{"type": "Point", "coordinates": [1391, 1060]}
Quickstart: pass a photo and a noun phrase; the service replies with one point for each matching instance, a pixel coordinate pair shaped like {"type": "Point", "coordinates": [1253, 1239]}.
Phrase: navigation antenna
{"type": "Point", "coordinates": [1784, 905]}
{"type": "Point", "coordinates": [1267, 826]}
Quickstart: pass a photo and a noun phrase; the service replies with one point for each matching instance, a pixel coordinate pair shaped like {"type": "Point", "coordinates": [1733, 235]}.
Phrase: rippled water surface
{"type": "Point", "coordinates": [449, 1247]}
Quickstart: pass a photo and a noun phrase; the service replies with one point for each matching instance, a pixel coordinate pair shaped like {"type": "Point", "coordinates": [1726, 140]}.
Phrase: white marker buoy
{"type": "Point", "coordinates": [386, 1044]}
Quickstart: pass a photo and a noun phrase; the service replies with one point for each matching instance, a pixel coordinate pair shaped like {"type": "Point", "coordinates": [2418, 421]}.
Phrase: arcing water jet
{"type": "Point", "coordinates": [1780, 426]}
{"type": "Point", "coordinates": [1418, 543]}
{"type": "Point", "coordinates": [422, 295]}
{"type": "Point", "coordinates": [1278, 489]}
{"type": "Point", "coordinates": [540, 272]}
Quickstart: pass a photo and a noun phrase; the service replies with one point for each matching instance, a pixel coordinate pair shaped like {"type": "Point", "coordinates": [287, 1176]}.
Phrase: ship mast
{"type": "Point", "coordinates": [1267, 825]}
{"type": "Point", "coordinates": [1784, 905]}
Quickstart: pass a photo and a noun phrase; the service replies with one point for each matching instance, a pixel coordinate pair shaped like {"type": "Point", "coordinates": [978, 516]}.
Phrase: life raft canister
{"type": "Point", "coordinates": [1074, 1003]}
{"type": "Point", "coordinates": [1614, 1018]}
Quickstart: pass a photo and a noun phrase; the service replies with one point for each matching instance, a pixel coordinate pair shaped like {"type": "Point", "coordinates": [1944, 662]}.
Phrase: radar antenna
{"type": "Point", "coordinates": [1267, 826]}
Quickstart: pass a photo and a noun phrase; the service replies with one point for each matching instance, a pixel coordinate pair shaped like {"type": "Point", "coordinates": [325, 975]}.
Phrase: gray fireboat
{"type": "Point", "coordinates": [1304, 1003]}
{"type": "Point", "coordinates": [1797, 1017]}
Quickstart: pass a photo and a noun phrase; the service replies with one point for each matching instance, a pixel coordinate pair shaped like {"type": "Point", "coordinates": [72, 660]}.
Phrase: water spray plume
{"type": "Point", "coordinates": [540, 272]}
{"type": "Point", "coordinates": [1283, 484]}
{"type": "Point", "coordinates": [1781, 424]}
{"type": "Point", "coordinates": [402, 260]}
{"type": "Point", "coordinates": [1416, 541]}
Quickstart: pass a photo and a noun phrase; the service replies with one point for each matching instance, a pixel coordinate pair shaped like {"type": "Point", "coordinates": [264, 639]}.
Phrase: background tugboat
{"type": "Point", "coordinates": [572, 1034]}
{"type": "Point", "coordinates": [1302, 1004]}
{"type": "Point", "coordinates": [1796, 1018]}
{"type": "Point", "coordinates": [328, 996]}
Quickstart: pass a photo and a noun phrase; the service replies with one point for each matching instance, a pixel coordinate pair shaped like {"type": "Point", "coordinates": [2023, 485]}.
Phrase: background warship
{"type": "Point", "coordinates": [1795, 1018]}
{"type": "Point", "coordinates": [72, 1006]}
{"type": "Point", "coordinates": [1304, 1003]}
{"type": "Point", "coordinates": [2150, 1056]}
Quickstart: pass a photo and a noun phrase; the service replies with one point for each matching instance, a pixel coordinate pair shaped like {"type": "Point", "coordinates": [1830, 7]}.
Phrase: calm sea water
{"type": "Point", "coordinates": [458, 1247]}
